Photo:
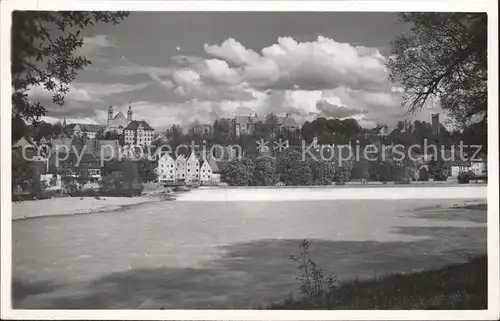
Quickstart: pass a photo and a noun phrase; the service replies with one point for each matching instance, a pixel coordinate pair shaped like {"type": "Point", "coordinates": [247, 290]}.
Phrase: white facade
{"type": "Point", "coordinates": [139, 136]}
{"type": "Point", "coordinates": [205, 172]}
{"type": "Point", "coordinates": [456, 170]}
{"type": "Point", "coordinates": [479, 168]}
{"type": "Point", "coordinates": [166, 169]}
{"type": "Point", "coordinates": [192, 168]}
{"type": "Point", "coordinates": [184, 170]}
{"type": "Point", "coordinates": [180, 168]}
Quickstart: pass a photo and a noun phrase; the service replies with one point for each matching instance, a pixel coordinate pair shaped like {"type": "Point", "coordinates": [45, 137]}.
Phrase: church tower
{"type": "Point", "coordinates": [64, 122]}
{"type": "Point", "coordinates": [110, 114]}
{"type": "Point", "coordinates": [129, 113]}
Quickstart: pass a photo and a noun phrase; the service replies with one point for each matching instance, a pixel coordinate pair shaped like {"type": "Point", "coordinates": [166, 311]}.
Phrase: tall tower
{"type": "Point", "coordinates": [435, 123]}
{"type": "Point", "coordinates": [129, 113]}
{"type": "Point", "coordinates": [64, 122]}
{"type": "Point", "coordinates": [110, 114]}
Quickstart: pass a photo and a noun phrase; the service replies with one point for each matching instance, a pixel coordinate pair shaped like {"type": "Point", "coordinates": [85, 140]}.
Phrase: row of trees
{"type": "Point", "coordinates": [288, 168]}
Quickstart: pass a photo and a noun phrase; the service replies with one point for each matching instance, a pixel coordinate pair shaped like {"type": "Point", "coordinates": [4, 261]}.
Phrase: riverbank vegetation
{"type": "Point", "coordinates": [458, 286]}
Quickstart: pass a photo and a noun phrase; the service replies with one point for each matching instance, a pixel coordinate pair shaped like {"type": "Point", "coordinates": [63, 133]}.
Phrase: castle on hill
{"type": "Point", "coordinates": [135, 132]}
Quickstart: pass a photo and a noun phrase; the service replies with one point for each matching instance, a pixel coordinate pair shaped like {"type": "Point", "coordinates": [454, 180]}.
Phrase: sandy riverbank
{"type": "Point", "coordinates": [73, 205]}
{"type": "Point", "coordinates": [298, 193]}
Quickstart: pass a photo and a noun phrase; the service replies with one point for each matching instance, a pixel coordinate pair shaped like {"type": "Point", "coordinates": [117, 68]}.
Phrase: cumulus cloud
{"type": "Point", "coordinates": [233, 51]}
{"type": "Point", "coordinates": [308, 79]}
{"type": "Point", "coordinates": [320, 64]}
{"type": "Point", "coordinates": [330, 110]}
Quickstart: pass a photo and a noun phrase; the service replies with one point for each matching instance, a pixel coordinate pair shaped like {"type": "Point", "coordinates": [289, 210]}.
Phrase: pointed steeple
{"type": "Point", "coordinates": [129, 112]}
{"type": "Point", "coordinates": [64, 122]}
{"type": "Point", "coordinates": [110, 114]}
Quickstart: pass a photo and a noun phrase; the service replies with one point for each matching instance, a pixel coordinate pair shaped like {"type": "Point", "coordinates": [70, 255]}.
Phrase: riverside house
{"type": "Point", "coordinates": [180, 168]}
{"type": "Point", "coordinates": [192, 168]}
{"type": "Point", "coordinates": [166, 169]}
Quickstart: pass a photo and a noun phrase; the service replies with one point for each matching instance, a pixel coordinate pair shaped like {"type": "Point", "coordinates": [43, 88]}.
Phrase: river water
{"type": "Point", "coordinates": [212, 254]}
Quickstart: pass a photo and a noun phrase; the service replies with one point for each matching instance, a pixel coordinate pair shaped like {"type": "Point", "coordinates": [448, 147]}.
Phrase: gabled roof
{"type": "Point", "coordinates": [288, 122]}
{"type": "Point", "coordinates": [24, 141]}
{"type": "Point", "coordinates": [167, 157]}
{"type": "Point", "coordinates": [93, 128]}
{"type": "Point", "coordinates": [120, 116]}
{"type": "Point", "coordinates": [193, 157]}
{"type": "Point", "coordinates": [136, 123]}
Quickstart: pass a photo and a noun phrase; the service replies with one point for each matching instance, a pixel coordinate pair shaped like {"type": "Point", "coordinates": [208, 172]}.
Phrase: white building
{"type": "Point", "coordinates": [180, 168]}
{"type": "Point", "coordinates": [205, 172]}
{"type": "Point", "coordinates": [479, 167]}
{"type": "Point", "coordinates": [84, 130]}
{"type": "Point", "coordinates": [458, 168]}
{"type": "Point", "coordinates": [192, 168]}
{"type": "Point", "coordinates": [139, 133]}
{"type": "Point", "coordinates": [166, 169]}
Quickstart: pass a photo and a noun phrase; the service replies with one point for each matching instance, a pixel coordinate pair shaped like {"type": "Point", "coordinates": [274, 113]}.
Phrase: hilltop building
{"type": "Point", "coordinates": [435, 123]}
{"type": "Point", "coordinates": [246, 125]}
{"type": "Point", "coordinates": [89, 131]}
{"type": "Point", "coordinates": [119, 121]}
{"type": "Point", "coordinates": [139, 132]}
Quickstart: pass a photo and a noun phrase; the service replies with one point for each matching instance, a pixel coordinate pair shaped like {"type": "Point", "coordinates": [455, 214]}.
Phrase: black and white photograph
{"type": "Point", "coordinates": [186, 157]}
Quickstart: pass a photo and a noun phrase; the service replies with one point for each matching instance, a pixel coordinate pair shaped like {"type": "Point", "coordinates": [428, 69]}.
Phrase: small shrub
{"type": "Point", "coordinates": [465, 177]}
{"type": "Point", "coordinates": [423, 175]}
{"type": "Point", "coordinates": [313, 281]}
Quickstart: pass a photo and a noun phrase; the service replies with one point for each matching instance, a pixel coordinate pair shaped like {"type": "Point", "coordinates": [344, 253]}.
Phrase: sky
{"type": "Point", "coordinates": [182, 67]}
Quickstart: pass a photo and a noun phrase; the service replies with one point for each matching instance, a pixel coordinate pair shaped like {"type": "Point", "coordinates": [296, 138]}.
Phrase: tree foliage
{"type": "Point", "coordinates": [44, 53]}
{"type": "Point", "coordinates": [444, 57]}
{"type": "Point", "coordinates": [292, 169]}
{"type": "Point", "coordinates": [238, 172]}
{"type": "Point", "coordinates": [323, 172]}
{"type": "Point", "coordinates": [265, 172]}
{"type": "Point", "coordinates": [437, 169]}
{"type": "Point", "coordinates": [25, 176]}
{"type": "Point", "coordinates": [120, 179]}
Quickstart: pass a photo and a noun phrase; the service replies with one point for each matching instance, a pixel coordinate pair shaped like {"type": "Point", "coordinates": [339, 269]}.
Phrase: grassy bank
{"type": "Point", "coordinates": [462, 286]}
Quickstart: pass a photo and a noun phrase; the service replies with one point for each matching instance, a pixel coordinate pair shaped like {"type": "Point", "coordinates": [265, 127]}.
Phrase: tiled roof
{"type": "Point", "coordinates": [107, 152]}
{"type": "Point", "coordinates": [135, 124]}
{"type": "Point", "coordinates": [91, 128]}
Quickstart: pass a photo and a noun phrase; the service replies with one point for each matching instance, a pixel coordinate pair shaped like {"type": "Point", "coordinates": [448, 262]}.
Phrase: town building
{"type": "Point", "coordinates": [89, 131]}
{"type": "Point", "coordinates": [205, 173]}
{"type": "Point", "coordinates": [479, 167]}
{"type": "Point", "coordinates": [201, 129]}
{"type": "Point", "coordinates": [192, 168]}
{"type": "Point", "coordinates": [459, 166]}
{"type": "Point", "coordinates": [118, 122]}
{"type": "Point", "coordinates": [139, 133]}
{"type": "Point", "coordinates": [247, 125]}
{"type": "Point", "coordinates": [166, 169]}
{"type": "Point", "coordinates": [180, 168]}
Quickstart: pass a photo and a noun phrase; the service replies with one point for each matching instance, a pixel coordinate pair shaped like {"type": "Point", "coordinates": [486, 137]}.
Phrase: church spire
{"type": "Point", "coordinates": [129, 112]}
{"type": "Point", "coordinates": [110, 114]}
{"type": "Point", "coordinates": [64, 122]}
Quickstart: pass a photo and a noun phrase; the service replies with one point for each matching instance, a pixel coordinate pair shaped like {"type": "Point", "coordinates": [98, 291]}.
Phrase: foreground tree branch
{"type": "Point", "coordinates": [445, 57]}
{"type": "Point", "coordinates": [44, 53]}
